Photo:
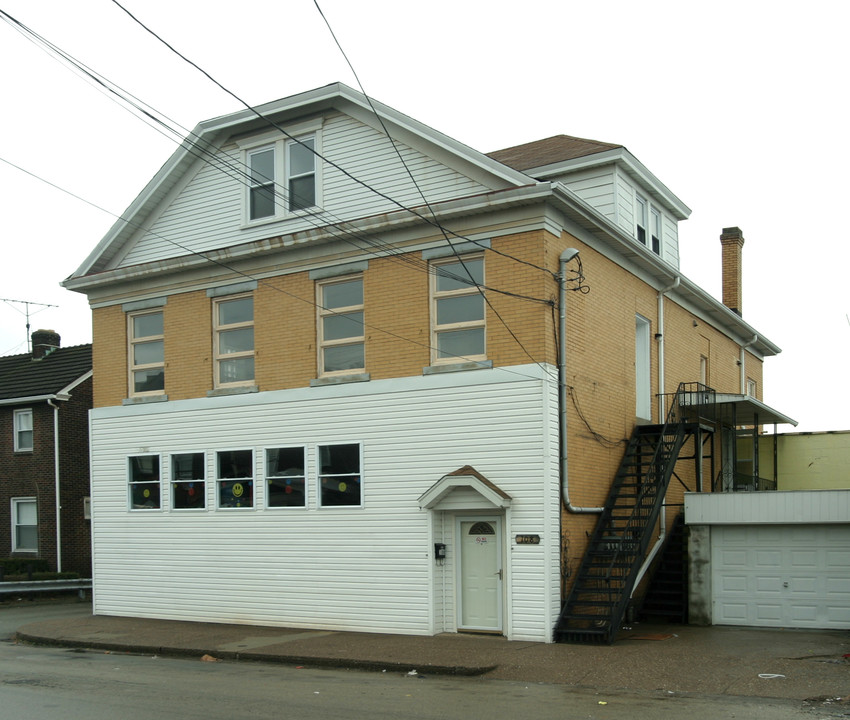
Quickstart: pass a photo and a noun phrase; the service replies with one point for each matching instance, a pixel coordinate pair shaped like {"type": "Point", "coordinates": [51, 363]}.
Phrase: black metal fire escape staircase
{"type": "Point", "coordinates": [597, 603]}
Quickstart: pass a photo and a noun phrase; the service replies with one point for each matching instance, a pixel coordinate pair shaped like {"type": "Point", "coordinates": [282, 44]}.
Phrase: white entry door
{"type": "Point", "coordinates": [480, 574]}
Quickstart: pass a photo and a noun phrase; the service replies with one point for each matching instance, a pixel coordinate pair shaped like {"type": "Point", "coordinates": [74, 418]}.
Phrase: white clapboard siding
{"type": "Point", "coordinates": [368, 568]}
{"type": "Point", "coordinates": [596, 187]}
{"type": "Point", "coordinates": [208, 213]}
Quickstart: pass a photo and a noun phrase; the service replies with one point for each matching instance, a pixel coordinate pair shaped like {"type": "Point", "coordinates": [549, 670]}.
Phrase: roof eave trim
{"type": "Point", "coordinates": [623, 157]}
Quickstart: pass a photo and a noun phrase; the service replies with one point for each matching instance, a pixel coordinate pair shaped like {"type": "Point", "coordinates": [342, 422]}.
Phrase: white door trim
{"type": "Point", "coordinates": [497, 522]}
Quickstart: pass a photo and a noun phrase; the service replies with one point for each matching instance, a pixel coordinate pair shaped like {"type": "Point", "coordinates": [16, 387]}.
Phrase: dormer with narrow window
{"type": "Point", "coordinates": [612, 182]}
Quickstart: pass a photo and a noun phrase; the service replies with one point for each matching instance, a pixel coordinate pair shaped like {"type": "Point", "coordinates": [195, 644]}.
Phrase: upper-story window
{"type": "Point", "coordinates": [233, 327]}
{"type": "Point", "coordinates": [341, 333]}
{"type": "Point", "coordinates": [647, 224]}
{"type": "Point", "coordinates": [147, 356]}
{"type": "Point", "coordinates": [23, 430]}
{"type": "Point", "coordinates": [457, 310]}
{"type": "Point", "coordinates": [261, 202]}
{"type": "Point", "coordinates": [284, 175]}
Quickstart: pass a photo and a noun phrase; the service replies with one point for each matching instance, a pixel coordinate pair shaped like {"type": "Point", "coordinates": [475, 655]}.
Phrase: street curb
{"type": "Point", "coordinates": [229, 655]}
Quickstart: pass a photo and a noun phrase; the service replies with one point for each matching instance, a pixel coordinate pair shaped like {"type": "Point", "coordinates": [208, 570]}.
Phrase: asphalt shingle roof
{"type": "Point", "coordinates": [549, 151]}
{"type": "Point", "coordinates": [21, 376]}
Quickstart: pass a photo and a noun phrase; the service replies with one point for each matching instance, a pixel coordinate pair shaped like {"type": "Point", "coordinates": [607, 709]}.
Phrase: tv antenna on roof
{"type": "Point", "coordinates": [26, 304]}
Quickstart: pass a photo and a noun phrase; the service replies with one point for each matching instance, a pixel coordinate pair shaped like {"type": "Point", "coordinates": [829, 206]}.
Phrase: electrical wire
{"type": "Point", "coordinates": [231, 167]}
{"type": "Point", "coordinates": [248, 276]}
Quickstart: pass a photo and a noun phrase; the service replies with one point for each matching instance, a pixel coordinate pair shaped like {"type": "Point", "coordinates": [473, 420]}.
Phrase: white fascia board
{"type": "Point", "coordinates": [247, 252]}
{"type": "Point", "coordinates": [627, 252]}
{"type": "Point", "coordinates": [33, 398]}
{"type": "Point", "coordinates": [65, 392]}
{"type": "Point", "coordinates": [632, 166]}
{"type": "Point", "coordinates": [211, 134]}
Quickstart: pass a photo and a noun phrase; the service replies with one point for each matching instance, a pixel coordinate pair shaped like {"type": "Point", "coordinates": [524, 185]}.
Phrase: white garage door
{"type": "Point", "coordinates": [781, 575]}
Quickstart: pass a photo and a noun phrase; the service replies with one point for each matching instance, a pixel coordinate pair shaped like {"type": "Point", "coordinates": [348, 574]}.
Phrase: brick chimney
{"type": "Point", "coordinates": [44, 342]}
{"type": "Point", "coordinates": [732, 240]}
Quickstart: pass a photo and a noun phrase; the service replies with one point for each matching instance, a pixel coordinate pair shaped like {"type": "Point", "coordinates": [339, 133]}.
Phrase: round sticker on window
{"type": "Point", "coordinates": [343, 487]}
{"type": "Point", "coordinates": [147, 493]}
{"type": "Point", "coordinates": [237, 490]}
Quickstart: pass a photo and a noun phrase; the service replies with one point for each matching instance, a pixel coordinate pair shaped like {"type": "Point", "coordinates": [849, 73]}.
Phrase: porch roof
{"type": "Point", "coordinates": [746, 410]}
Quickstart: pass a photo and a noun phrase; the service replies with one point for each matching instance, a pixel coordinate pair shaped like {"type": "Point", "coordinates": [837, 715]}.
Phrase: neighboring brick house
{"type": "Point", "coordinates": [45, 398]}
{"type": "Point", "coordinates": [329, 396]}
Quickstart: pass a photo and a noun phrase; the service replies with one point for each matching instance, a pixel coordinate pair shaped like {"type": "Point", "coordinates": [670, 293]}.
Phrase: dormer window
{"type": "Point", "coordinates": [284, 174]}
{"type": "Point", "coordinates": [647, 224]}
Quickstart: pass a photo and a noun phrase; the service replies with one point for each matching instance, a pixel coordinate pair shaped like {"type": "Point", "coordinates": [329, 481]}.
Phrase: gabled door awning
{"type": "Point", "coordinates": [466, 481]}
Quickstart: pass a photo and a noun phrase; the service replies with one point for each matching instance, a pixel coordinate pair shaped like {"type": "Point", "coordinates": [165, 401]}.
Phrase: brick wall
{"type": "Point", "coordinates": [32, 475]}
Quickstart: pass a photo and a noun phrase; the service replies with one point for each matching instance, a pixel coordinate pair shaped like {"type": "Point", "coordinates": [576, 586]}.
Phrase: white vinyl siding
{"type": "Point", "coordinates": [208, 212]}
{"type": "Point", "coordinates": [366, 568]}
{"type": "Point", "coordinates": [596, 187]}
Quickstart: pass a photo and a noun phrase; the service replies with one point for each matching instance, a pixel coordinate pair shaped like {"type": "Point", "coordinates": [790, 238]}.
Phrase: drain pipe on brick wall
{"type": "Point", "coordinates": [566, 256]}
{"type": "Point", "coordinates": [56, 481]}
{"type": "Point", "coordinates": [743, 362]}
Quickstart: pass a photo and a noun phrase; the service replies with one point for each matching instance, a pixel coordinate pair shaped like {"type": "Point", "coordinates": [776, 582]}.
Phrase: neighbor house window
{"type": "Point", "coordinates": [261, 202]}
{"type": "Point", "coordinates": [233, 325]}
{"type": "Point", "coordinates": [144, 482]}
{"type": "Point", "coordinates": [147, 354]}
{"type": "Point", "coordinates": [235, 478]}
{"type": "Point", "coordinates": [457, 310]}
{"type": "Point", "coordinates": [341, 333]}
{"type": "Point", "coordinates": [23, 430]}
{"type": "Point", "coordinates": [752, 388]}
{"type": "Point", "coordinates": [24, 525]}
{"type": "Point", "coordinates": [339, 475]}
{"type": "Point", "coordinates": [188, 481]}
{"type": "Point", "coordinates": [286, 473]}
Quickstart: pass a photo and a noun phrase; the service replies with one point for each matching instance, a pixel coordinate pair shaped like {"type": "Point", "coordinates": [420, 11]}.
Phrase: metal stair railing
{"type": "Point", "coordinates": [626, 545]}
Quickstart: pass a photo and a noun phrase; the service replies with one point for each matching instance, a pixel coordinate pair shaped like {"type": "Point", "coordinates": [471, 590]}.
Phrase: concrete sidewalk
{"type": "Point", "coordinates": [793, 664]}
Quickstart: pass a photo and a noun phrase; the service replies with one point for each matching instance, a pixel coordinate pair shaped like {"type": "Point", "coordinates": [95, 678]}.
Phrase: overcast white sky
{"type": "Point", "coordinates": [739, 107]}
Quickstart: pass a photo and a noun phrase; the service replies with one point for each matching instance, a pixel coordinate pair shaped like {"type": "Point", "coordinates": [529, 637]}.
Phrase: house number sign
{"type": "Point", "coordinates": [527, 539]}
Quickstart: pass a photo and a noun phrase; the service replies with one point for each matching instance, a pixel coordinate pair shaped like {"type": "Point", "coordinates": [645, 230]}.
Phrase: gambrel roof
{"type": "Point", "coordinates": [24, 378]}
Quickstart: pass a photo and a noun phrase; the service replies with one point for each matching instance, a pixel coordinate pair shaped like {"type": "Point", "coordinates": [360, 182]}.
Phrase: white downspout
{"type": "Point", "coordinates": [743, 362]}
{"type": "Point", "coordinates": [56, 484]}
{"type": "Point", "coordinates": [566, 256]}
{"type": "Point", "coordinates": [661, 417]}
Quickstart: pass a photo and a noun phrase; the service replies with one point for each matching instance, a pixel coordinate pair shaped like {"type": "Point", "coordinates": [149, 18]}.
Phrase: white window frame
{"type": "Point", "coordinates": [132, 341]}
{"type": "Point", "coordinates": [322, 475]}
{"type": "Point", "coordinates": [236, 480]}
{"type": "Point", "coordinates": [21, 418]}
{"type": "Point", "coordinates": [16, 502]}
{"type": "Point", "coordinates": [649, 224]}
{"type": "Point", "coordinates": [643, 370]}
{"type": "Point", "coordinates": [752, 388]}
{"type": "Point", "coordinates": [131, 483]}
{"type": "Point", "coordinates": [260, 183]}
{"type": "Point", "coordinates": [174, 480]}
{"type": "Point", "coordinates": [324, 312]}
{"type": "Point", "coordinates": [269, 477]}
{"type": "Point", "coordinates": [290, 176]}
{"type": "Point", "coordinates": [437, 295]}
{"type": "Point", "coordinates": [219, 328]}
{"type": "Point", "coordinates": [280, 145]}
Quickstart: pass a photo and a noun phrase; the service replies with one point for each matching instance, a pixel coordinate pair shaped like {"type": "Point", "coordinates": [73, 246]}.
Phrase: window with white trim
{"type": "Point", "coordinates": [233, 330]}
{"type": "Point", "coordinates": [188, 481]}
{"type": "Point", "coordinates": [235, 478]}
{"type": "Point", "coordinates": [146, 353]}
{"type": "Point", "coordinates": [340, 481]}
{"type": "Point", "coordinates": [648, 224]}
{"type": "Point", "coordinates": [286, 475]}
{"type": "Point", "coordinates": [143, 481]}
{"type": "Point", "coordinates": [301, 173]}
{"type": "Point", "coordinates": [341, 329]}
{"type": "Point", "coordinates": [24, 525]}
{"type": "Point", "coordinates": [457, 310]}
{"type": "Point", "coordinates": [23, 430]}
{"type": "Point", "coordinates": [261, 201]}
{"type": "Point", "coordinates": [752, 387]}
{"type": "Point", "coordinates": [284, 174]}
